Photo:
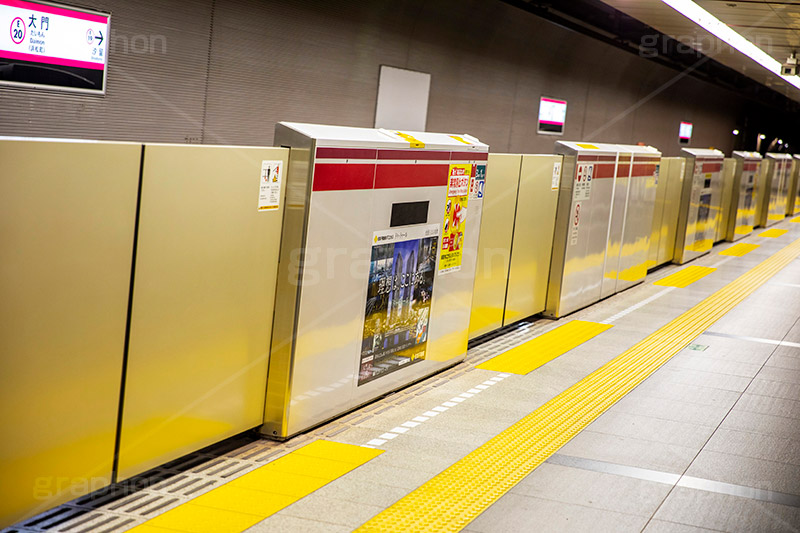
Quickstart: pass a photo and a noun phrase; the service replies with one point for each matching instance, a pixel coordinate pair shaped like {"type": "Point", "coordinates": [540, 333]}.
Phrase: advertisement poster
{"type": "Point", "coordinates": [455, 218]}
{"type": "Point", "coordinates": [401, 274]}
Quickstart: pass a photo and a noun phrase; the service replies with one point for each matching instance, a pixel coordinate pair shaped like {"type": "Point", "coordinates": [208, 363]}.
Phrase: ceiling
{"type": "Point", "coordinates": [772, 26]}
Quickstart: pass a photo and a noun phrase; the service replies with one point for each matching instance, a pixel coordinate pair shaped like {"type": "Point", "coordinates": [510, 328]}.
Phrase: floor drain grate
{"type": "Point", "coordinates": [122, 506]}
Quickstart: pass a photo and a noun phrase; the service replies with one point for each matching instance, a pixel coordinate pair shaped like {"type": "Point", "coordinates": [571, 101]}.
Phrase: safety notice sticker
{"type": "Point", "coordinates": [269, 193]}
{"type": "Point", "coordinates": [583, 183]}
{"type": "Point", "coordinates": [478, 182]}
{"type": "Point", "coordinates": [576, 223]}
{"type": "Point", "coordinates": [556, 176]}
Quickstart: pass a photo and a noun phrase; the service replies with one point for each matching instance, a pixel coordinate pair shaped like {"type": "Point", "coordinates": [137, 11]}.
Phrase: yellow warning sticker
{"type": "Point", "coordinates": [413, 141]}
{"type": "Point", "coordinates": [460, 139]}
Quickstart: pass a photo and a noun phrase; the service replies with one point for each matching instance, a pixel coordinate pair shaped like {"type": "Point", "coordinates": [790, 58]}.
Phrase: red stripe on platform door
{"type": "Point", "coordinates": [396, 176]}
{"type": "Point", "coordinates": [343, 177]}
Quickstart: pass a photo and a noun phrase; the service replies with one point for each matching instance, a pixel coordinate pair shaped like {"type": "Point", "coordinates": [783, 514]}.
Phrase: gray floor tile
{"type": "Point", "coordinates": [676, 410]}
{"type": "Point", "coordinates": [681, 376]}
{"type": "Point", "coordinates": [767, 405]}
{"type": "Point", "coordinates": [788, 351]}
{"type": "Point", "coordinates": [654, 387]}
{"type": "Point", "coordinates": [282, 523]}
{"type": "Point", "coordinates": [630, 451]}
{"type": "Point", "coordinates": [660, 526]}
{"type": "Point", "coordinates": [442, 435]}
{"type": "Point", "coordinates": [760, 423]}
{"type": "Point", "coordinates": [777, 389]}
{"type": "Point", "coordinates": [716, 365]}
{"type": "Point", "coordinates": [731, 349]}
{"type": "Point", "coordinates": [394, 476]}
{"type": "Point", "coordinates": [794, 334]}
{"type": "Point", "coordinates": [780, 374]}
{"type": "Point", "coordinates": [352, 489]}
{"type": "Point", "coordinates": [787, 362]}
{"type": "Point", "coordinates": [515, 513]}
{"type": "Point", "coordinates": [479, 419]}
{"type": "Point", "coordinates": [762, 314]}
{"type": "Point", "coordinates": [755, 445]}
{"type": "Point", "coordinates": [614, 422]}
{"type": "Point", "coordinates": [747, 471]}
{"type": "Point", "coordinates": [431, 460]}
{"type": "Point", "coordinates": [332, 510]}
{"type": "Point", "coordinates": [593, 489]}
{"type": "Point", "coordinates": [727, 513]}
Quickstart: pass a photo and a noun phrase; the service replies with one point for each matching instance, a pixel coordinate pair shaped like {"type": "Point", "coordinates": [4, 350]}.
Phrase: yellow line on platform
{"type": "Point", "coordinates": [544, 348]}
{"type": "Point", "coordinates": [685, 276]}
{"type": "Point", "coordinates": [452, 499]}
{"type": "Point", "coordinates": [249, 499]}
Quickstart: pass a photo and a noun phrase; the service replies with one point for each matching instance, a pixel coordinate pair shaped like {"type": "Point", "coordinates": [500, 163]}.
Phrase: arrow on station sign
{"type": "Point", "coordinates": [100, 37]}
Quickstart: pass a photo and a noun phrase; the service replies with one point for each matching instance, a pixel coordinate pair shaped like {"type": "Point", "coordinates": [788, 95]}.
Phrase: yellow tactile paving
{"type": "Point", "coordinates": [200, 519]}
{"type": "Point", "coordinates": [249, 499]}
{"type": "Point", "coordinates": [795, 220]}
{"type": "Point", "coordinates": [544, 348]}
{"type": "Point", "coordinates": [452, 499]}
{"type": "Point", "coordinates": [685, 276]}
{"type": "Point", "coordinates": [773, 233]}
{"type": "Point", "coordinates": [738, 250]}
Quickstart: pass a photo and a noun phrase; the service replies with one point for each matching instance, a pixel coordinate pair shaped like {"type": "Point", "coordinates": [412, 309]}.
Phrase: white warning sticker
{"type": "Point", "coordinates": [556, 176]}
{"type": "Point", "coordinates": [583, 183]}
{"type": "Point", "coordinates": [269, 192]}
{"type": "Point", "coordinates": [576, 222]}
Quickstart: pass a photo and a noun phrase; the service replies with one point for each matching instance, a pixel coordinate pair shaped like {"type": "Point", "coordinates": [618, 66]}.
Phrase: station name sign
{"type": "Point", "coordinates": [552, 115]}
{"type": "Point", "coordinates": [45, 45]}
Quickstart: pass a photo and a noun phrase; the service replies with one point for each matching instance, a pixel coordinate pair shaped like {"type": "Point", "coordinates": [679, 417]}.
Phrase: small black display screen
{"type": "Point", "coordinates": [707, 183]}
{"type": "Point", "coordinates": [408, 213]}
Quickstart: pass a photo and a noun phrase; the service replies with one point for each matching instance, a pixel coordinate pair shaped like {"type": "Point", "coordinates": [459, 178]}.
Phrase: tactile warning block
{"type": "Point", "coordinates": [456, 496]}
{"type": "Point", "coordinates": [685, 277]}
{"type": "Point", "coordinates": [544, 348]}
{"type": "Point", "coordinates": [738, 250]}
{"type": "Point", "coordinates": [773, 233]}
{"type": "Point", "coordinates": [249, 499]}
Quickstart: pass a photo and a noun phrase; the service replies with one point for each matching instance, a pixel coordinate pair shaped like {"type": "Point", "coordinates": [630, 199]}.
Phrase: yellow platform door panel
{"type": "Point", "coordinates": [532, 245]}
{"type": "Point", "coordinates": [728, 209]}
{"type": "Point", "coordinates": [204, 291]}
{"type": "Point", "coordinates": [666, 211]}
{"type": "Point", "coordinates": [67, 216]}
{"type": "Point", "coordinates": [494, 246]}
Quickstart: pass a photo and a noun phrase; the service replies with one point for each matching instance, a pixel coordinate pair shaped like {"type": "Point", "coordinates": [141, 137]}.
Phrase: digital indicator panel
{"type": "Point", "coordinates": [685, 132]}
{"type": "Point", "coordinates": [552, 116]}
{"type": "Point", "coordinates": [49, 46]}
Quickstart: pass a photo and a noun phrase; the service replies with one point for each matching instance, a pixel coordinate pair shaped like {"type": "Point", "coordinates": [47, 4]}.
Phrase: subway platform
{"type": "Point", "coordinates": [672, 406]}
